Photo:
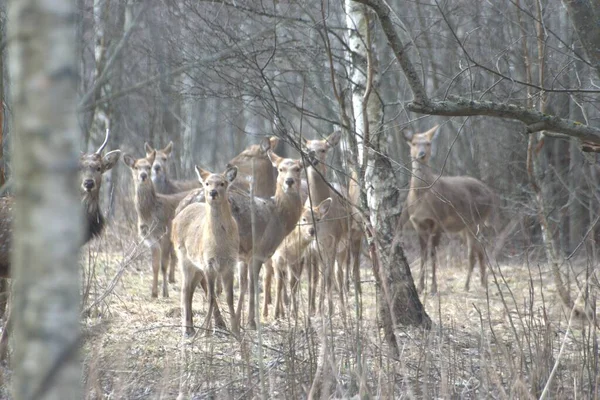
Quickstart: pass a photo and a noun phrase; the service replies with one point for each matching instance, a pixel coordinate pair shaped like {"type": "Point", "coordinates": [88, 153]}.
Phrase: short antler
{"type": "Point", "coordinates": [105, 142]}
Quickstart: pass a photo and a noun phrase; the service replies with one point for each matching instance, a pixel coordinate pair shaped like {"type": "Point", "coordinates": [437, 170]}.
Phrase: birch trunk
{"type": "Point", "coordinates": [399, 303]}
{"type": "Point", "coordinates": [47, 233]}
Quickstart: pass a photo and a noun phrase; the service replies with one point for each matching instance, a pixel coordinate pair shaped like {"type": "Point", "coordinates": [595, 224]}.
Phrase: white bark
{"type": "Point", "coordinates": [47, 233]}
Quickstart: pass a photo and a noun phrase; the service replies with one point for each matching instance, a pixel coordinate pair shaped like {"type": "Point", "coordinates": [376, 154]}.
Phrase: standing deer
{"type": "Point", "coordinates": [334, 229]}
{"type": "Point", "coordinates": [155, 213]}
{"type": "Point", "coordinates": [288, 259]}
{"type": "Point", "coordinates": [163, 184]}
{"type": "Point", "coordinates": [91, 168]}
{"type": "Point", "coordinates": [206, 240]}
{"type": "Point", "coordinates": [437, 204]}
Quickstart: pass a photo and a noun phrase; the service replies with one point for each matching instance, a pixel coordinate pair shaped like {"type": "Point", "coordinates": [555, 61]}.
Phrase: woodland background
{"type": "Point", "coordinates": [216, 76]}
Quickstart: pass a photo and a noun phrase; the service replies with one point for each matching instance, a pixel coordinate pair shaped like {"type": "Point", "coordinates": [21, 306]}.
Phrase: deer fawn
{"type": "Point", "coordinates": [155, 213]}
{"type": "Point", "coordinates": [445, 204]}
{"type": "Point", "coordinates": [334, 229]}
{"type": "Point", "coordinates": [206, 240]}
{"type": "Point", "coordinates": [288, 259]}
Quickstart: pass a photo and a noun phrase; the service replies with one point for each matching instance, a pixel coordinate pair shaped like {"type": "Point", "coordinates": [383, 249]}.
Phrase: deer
{"type": "Point", "coordinates": [437, 204]}
{"type": "Point", "coordinates": [333, 231]}
{"type": "Point", "coordinates": [288, 258]}
{"type": "Point", "coordinates": [206, 240]}
{"type": "Point", "coordinates": [155, 213]}
{"type": "Point", "coordinates": [163, 184]}
{"type": "Point", "coordinates": [91, 168]}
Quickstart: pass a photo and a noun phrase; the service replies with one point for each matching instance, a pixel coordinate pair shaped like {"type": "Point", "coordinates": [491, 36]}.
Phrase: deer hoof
{"type": "Point", "coordinates": [154, 294]}
{"type": "Point", "coordinates": [189, 332]}
{"type": "Point", "coordinates": [252, 325]}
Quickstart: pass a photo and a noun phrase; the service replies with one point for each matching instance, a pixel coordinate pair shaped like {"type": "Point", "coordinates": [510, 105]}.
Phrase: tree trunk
{"type": "Point", "coordinates": [400, 303]}
{"type": "Point", "coordinates": [47, 233]}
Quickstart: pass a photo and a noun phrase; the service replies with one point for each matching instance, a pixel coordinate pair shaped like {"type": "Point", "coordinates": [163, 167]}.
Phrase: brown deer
{"type": "Point", "coordinates": [271, 219]}
{"type": "Point", "coordinates": [334, 229]}
{"type": "Point", "coordinates": [288, 259]}
{"type": "Point", "coordinates": [91, 168]}
{"type": "Point", "coordinates": [264, 177]}
{"type": "Point", "coordinates": [160, 172]}
{"type": "Point", "coordinates": [438, 204]}
{"type": "Point", "coordinates": [155, 213]}
{"type": "Point", "coordinates": [207, 241]}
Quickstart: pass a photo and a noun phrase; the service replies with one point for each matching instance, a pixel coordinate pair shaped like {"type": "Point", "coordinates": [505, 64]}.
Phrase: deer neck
{"type": "Point", "coordinates": [317, 187]}
{"type": "Point", "coordinates": [219, 218]}
{"type": "Point", "coordinates": [288, 207]}
{"type": "Point", "coordinates": [162, 184]}
{"type": "Point", "coordinates": [422, 175]}
{"type": "Point", "coordinates": [93, 215]}
{"type": "Point", "coordinates": [145, 199]}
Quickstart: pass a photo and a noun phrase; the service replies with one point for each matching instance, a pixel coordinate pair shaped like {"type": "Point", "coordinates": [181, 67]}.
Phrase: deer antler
{"type": "Point", "coordinates": [105, 141]}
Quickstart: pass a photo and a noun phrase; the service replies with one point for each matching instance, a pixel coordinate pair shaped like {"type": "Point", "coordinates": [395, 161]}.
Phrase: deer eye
{"type": "Point", "coordinates": [322, 150]}
{"type": "Point", "coordinates": [303, 219]}
{"type": "Point", "coordinates": [297, 169]}
{"type": "Point", "coordinates": [98, 169]}
{"type": "Point", "coordinates": [206, 184]}
{"type": "Point", "coordinates": [222, 184]}
{"type": "Point", "coordinates": [164, 158]}
{"type": "Point", "coordinates": [280, 169]}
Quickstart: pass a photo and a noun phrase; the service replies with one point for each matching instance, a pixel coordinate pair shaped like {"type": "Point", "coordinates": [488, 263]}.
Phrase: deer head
{"type": "Point", "coordinates": [141, 168]}
{"type": "Point", "coordinates": [288, 177]}
{"type": "Point", "coordinates": [93, 165]}
{"type": "Point", "coordinates": [160, 167]}
{"type": "Point", "coordinates": [421, 144]}
{"type": "Point", "coordinates": [311, 217]}
{"type": "Point", "coordinates": [215, 185]}
{"type": "Point", "coordinates": [321, 147]}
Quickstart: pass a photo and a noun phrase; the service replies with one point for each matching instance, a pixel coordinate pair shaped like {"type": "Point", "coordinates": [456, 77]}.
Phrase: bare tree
{"type": "Point", "coordinates": [47, 233]}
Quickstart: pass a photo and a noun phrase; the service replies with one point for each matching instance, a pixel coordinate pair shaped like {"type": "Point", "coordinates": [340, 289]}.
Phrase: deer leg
{"type": "Point", "coordinates": [190, 279]}
{"type": "Point", "coordinates": [165, 252]}
{"type": "Point", "coordinates": [313, 281]}
{"type": "Point", "coordinates": [228, 284]}
{"type": "Point", "coordinates": [267, 283]}
{"type": "Point", "coordinates": [155, 268]}
{"type": "Point", "coordinates": [252, 283]}
{"type": "Point", "coordinates": [295, 271]}
{"type": "Point", "coordinates": [423, 239]}
{"type": "Point", "coordinates": [279, 301]}
{"type": "Point", "coordinates": [4, 290]}
{"type": "Point", "coordinates": [435, 241]}
{"type": "Point", "coordinates": [340, 277]}
{"type": "Point", "coordinates": [482, 265]}
{"type": "Point", "coordinates": [172, 264]}
{"type": "Point", "coordinates": [471, 257]}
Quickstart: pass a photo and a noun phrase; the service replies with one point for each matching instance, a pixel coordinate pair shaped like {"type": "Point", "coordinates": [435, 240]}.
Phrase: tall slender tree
{"type": "Point", "coordinates": [47, 233]}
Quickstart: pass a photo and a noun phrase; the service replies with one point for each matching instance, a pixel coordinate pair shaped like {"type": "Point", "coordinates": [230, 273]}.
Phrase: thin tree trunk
{"type": "Point", "coordinates": [399, 303]}
{"type": "Point", "coordinates": [47, 233]}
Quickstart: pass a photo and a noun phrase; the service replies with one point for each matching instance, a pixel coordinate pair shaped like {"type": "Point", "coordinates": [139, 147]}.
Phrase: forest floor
{"type": "Point", "coordinates": [501, 342]}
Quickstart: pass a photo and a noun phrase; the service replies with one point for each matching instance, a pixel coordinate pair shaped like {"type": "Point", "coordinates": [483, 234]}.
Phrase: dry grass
{"type": "Point", "coordinates": [500, 343]}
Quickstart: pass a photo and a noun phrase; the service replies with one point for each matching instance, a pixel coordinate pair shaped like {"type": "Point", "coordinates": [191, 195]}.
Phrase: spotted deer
{"type": "Point", "coordinates": [206, 240]}
{"type": "Point", "coordinates": [332, 235]}
{"type": "Point", "coordinates": [155, 213]}
{"type": "Point", "coordinates": [437, 204]}
{"type": "Point", "coordinates": [288, 259]}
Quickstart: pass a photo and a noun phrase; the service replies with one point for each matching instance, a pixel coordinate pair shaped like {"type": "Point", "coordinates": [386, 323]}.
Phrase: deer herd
{"type": "Point", "coordinates": [271, 211]}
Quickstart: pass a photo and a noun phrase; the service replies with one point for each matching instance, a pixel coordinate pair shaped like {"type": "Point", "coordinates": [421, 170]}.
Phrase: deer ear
{"type": "Point", "coordinates": [201, 173]}
{"type": "Point", "coordinates": [300, 164]}
{"type": "Point", "coordinates": [334, 139]}
{"type": "Point", "coordinates": [231, 173]}
{"type": "Point", "coordinates": [110, 159]}
{"type": "Point", "coordinates": [429, 134]}
{"type": "Point", "coordinates": [150, 157]}
{"type": "Point", "coordinates": [265, 144]}
{"type": "Point", "coordinates": [148, 148]}
{"type": "Point", "coordinates": [167, 150]}
{"type": "Point", "coordinates": [324, 207]}
{"type": "Point", "coordinates": [274, 140]}
{"type": "Point", "coordinates": [275, 159]}
{"type": "Point", "coordinates": [128, 160]}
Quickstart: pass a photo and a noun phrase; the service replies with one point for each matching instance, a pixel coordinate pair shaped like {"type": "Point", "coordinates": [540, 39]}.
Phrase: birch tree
{"type": "Point", "coordinates": [47, 233]}
{"type": "Point", "coordinates": [399, 303]}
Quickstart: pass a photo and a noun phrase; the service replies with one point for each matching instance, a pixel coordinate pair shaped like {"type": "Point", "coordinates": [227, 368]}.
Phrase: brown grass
{"type": "Point", "coordinates": [499, 343]}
